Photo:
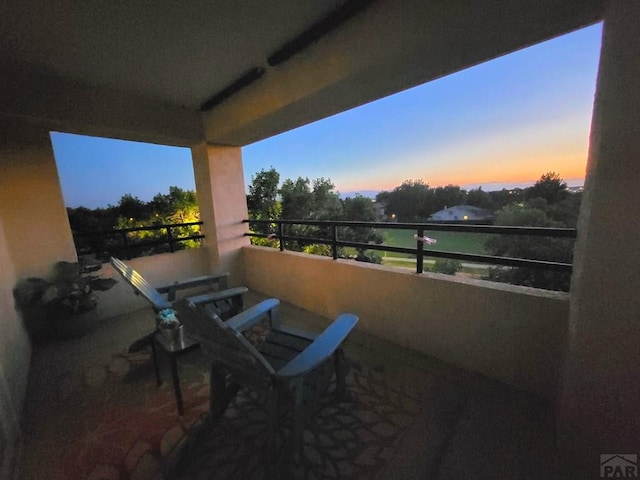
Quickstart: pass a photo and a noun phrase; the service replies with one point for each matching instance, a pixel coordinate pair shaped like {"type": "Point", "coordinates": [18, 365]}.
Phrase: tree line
{"type": "Point", "coordinates": [548, 203]}
{"type": "Point", "coordinates": [416, 201]}
{"type": "Point", "coordinates": [176, 206]}
{"type": "Point", "coordinates": [304, 199]}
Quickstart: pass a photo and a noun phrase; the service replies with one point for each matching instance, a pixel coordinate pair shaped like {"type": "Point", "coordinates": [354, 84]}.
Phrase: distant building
{"type": "Point", "coordinates": [462, 213]}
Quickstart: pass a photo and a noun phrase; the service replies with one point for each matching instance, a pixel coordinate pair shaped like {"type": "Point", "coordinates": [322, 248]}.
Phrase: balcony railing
{"type": "Point", "coordinates": [123, 243]}
{"type": "Point", "coordinates": [420, 251]}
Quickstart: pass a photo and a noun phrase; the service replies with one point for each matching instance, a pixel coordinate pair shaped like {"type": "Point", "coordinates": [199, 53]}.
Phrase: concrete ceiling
{"type": "Point", "coordinates": [142, 69]}
{"type": "Point", "coordinates": [178, 51]}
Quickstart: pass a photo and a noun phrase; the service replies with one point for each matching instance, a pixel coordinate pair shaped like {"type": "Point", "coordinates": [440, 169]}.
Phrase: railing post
{"type": "Point", "coordinates": [125, 240]}
{"type": "Point", "coordinates": [334, 242]}
{"type": "Point", "coordinates": [170, 239]}
{"type": "Point", "coordinates": [280, 235]}
{"type": "Point", "coordinates": [420, 255]}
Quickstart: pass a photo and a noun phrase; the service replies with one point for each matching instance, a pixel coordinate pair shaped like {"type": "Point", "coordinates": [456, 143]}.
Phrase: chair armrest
{"type": "Point", "coordinates": [212, 297]}
{"type": "Point", "coordinates": [252, 315]}
{"type": "Point", "coordinates": [322, 347]}
{"type": "Point", "coordinates": [219, 278]}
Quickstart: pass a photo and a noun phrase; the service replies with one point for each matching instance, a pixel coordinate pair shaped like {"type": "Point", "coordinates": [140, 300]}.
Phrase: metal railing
{"type": "Point", "coordinates": [119, 241]}
{"type": "Point", "coordinates": [420, 251]}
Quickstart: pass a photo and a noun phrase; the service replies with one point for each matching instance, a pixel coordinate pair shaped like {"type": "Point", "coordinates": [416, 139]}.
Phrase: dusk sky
{"type": "Point", "coordinates": [496, 124]}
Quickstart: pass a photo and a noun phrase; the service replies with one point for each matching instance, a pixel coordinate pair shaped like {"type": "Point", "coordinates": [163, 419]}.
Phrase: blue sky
{"type": "Point", "coordinates": [501, 123]}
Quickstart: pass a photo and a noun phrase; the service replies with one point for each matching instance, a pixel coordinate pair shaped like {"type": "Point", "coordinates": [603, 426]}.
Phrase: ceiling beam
{"type": "Point", "coordinates": [71, 107]}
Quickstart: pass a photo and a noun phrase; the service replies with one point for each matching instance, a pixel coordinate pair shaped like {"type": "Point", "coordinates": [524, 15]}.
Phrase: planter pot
{"type": "Point", "coordinates": [174, 334]}
{"type": "Point", "coordinates": [41, 324]}
{"type": "Point", "coordinates": [74, 326]}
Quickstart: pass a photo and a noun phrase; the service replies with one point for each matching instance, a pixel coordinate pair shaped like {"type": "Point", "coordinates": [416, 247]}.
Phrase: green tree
{"type": "Point", "coordinates": [446, 197]}
{"type": "Point", "coordinates": [408, 202]}
{"type": "Point", "coordinates": [479, 198]}
{"type": "Point", "coordinates": [131, 207]}
{"type": "Point", "coordinates": [297, 204]}
{"type": "Point", "coordinates": [182, 206]}
{"type": "Point", "coordinates": [262, 200]}
{"type": "Point", "coordinates": [263, 204]}
{"type": "Point", "coordinates": [326, 204]}
{"type": "Point", "coordinates": [501, 198]}
{"type": "Point", "coordinates": [304, 199]}
{"type": "Point", "coordinates": [297, 199]}
{"type": "Point", "coordinates": [550, 186]}
{"type": "Point", "coordinates": [83, 220]}
{"type": "Point", "coordinates": [549, 205]}
{"type": "Point", "coordinates": [361, 209]}
{"type": "Point", "coordinates": [178, 206]}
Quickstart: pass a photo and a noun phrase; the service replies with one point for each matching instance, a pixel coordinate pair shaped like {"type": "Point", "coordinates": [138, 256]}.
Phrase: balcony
{"type": "Point", "coordinates": [578, 352]}
{"type": "Point", "coordinates": [94, 411]}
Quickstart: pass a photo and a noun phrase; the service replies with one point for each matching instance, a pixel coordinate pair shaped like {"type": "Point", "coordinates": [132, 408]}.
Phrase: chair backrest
{"type": "Point", "coordinates": [140, 285]}
{"type": "Point", "coordinates": [223, 344]}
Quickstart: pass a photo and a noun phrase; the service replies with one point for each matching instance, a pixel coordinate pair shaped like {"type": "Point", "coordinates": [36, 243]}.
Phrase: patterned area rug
{"type": "Point", "coordinates": [353, 438]}
{"type": "Point", "coordinates": [112, 422]}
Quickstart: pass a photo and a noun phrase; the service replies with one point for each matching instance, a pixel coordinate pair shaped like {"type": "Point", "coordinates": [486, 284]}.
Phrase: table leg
{"type": "Point", "coordinates": [154, 353]}
{"type": "Point", "coordinates": [176, 384]}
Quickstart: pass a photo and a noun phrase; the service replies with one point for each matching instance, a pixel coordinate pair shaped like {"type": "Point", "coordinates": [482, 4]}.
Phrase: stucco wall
{"type": "Point", "coordinates": [158, 270]}
{"type": "Point", "coordinates": [598, 411]}
{"type": "Point", "coordinates": [31, 204]}
{"type": "Point", "coordinates": [15, 354]}
{"type": "Point", "coordinates": [512, 334]}
{"type": "Point", "coordinates": [34, 233]}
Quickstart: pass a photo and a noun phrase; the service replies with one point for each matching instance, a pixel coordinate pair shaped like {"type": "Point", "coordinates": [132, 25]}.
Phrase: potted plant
{"type": "Point", "coordinates": [170, 326]}
{"type": "Point", "coordinates": [55, 306]}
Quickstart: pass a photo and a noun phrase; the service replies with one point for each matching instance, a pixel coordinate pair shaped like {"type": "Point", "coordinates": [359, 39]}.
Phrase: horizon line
{"type": "Point", "coordinates": [490, 186]}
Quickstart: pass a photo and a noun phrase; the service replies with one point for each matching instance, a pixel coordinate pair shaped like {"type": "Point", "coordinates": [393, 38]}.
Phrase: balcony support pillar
{"type": "Point", "coordinates": [31, 202]}
{"type": "Point", "coordinates": [223, 204]}
{"type": "Point", "coordinates": [599, 400]}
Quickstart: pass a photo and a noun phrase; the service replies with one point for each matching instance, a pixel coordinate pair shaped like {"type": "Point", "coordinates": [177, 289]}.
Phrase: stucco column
{"type": "Point", "coordinates": [15, 354]}
{"type": "Point", "coordinates": [223, 205]}
{"type": "Point", "coordinates": [599, 407]}
{"type": "Point", "coordinates": [31, 204]}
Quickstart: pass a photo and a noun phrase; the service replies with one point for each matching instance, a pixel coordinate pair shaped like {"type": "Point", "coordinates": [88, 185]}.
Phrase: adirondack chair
{"type": "Point", "coordinates": [225, 302]}
{"type": "Point", "coordinates": [288, 367]}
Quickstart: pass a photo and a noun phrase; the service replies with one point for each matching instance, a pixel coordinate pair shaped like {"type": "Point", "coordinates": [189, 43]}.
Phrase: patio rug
{"type": "Point", "coordinates": [111, 422]}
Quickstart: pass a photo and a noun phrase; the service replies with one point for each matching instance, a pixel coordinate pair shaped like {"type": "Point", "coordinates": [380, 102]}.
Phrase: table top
{"type": "Point", "coordinates": [187, 343]}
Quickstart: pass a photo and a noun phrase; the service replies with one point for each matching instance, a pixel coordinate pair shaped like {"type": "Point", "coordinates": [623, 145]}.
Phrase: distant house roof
{"type": "Point", "coordinates": [463, 213]}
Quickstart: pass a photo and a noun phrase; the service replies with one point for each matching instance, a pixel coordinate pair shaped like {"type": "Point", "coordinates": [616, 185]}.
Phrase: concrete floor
{"type": "Point", "coordinates": [94, 412]}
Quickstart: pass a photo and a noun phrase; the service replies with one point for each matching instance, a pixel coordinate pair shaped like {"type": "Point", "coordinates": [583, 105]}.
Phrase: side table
{"type": "Point", "coordinates": [172, 350]}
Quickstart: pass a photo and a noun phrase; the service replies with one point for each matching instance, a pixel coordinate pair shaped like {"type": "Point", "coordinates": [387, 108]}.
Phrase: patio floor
{"type": "Point", "coordinates": [94, 412]}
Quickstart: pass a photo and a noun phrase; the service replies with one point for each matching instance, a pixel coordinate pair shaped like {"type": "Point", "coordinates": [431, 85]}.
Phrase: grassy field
{"type": "Point", "coordinates": [447, 241]}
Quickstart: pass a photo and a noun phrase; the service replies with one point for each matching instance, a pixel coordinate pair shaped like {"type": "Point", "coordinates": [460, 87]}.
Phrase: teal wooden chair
{"type": "Point", "coordinates": [227, 300]}
{"type": "Point", "coordinates": [224, 302]}
{"type": "Point", "coordinates": [219, 300]}
{"type": "Point", "coordinates": [290, 368]}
